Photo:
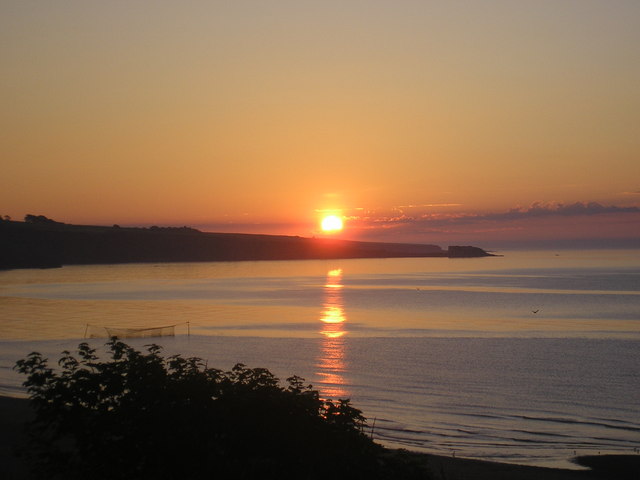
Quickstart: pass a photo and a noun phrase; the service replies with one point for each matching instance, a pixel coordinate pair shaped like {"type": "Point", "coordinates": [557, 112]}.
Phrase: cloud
{"type": "Point", "coordinates": [429, 205]}
{"type": "Point", "coordinates": [539, 209]}
{"type": "Point", "coordinates": [535, 211]}
{"type": "Point", "coordinates": [578, 223]}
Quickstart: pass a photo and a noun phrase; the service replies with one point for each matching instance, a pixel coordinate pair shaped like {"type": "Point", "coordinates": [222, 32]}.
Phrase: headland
{"type": "Point", "coordinates": [44, 243]}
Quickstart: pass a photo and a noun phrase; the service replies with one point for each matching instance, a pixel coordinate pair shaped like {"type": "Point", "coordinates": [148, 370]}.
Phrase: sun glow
{"type": "Point", "coordinates": [331, 224]}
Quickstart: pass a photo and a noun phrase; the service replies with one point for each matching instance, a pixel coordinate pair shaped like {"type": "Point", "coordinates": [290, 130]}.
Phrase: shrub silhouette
{"type": "Point", "coordinates": [139, 415]}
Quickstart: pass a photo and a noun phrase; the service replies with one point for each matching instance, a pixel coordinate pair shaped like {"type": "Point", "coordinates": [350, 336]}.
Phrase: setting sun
{"type": "Point", "coordinates": [331, 223]}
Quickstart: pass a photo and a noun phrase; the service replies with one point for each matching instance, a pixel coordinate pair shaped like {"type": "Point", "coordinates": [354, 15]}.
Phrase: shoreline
{"type": "Point", "coordinates": [51, 244]}
{"type": "Point", "coordinates": [15, 412]}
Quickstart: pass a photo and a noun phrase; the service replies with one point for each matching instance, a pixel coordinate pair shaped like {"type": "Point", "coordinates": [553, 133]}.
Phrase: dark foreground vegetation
{"type": "Point", "coordinates": [138, 415]}
{"type": "Point", "coordinates": [40, 242]}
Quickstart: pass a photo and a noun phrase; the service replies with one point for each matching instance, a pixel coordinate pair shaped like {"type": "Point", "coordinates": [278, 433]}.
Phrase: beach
{"type": "Point", "coordinates": [15, 413]}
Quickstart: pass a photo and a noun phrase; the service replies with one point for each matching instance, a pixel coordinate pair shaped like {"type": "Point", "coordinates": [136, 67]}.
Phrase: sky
{"type": "Point", "coordinates": [475, 122]}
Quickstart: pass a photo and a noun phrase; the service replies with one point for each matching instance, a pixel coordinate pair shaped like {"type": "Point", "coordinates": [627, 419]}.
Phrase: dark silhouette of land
{"type": "Point", "coordinates": [40, 242]}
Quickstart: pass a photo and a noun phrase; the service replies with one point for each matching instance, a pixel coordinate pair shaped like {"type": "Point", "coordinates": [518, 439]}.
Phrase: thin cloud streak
{"type": "Point", "coordinates": [536, 210]}
{"type": "Point", "coordinates": [430, 205]}
{"type": "Point", "coordinates": [580, 223]}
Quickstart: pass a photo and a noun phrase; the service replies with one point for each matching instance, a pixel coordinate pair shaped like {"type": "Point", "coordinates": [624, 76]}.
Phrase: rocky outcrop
{"type": "Point", "coordinates": [466, 251]}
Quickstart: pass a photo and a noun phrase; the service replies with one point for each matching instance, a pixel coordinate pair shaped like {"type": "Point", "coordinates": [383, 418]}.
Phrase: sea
{"type": "Point", "coordinates": [530, 357]}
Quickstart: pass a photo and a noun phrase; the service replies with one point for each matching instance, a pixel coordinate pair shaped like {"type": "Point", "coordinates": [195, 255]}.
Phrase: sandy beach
{"type": "Point", "coordinates": [14, 412]}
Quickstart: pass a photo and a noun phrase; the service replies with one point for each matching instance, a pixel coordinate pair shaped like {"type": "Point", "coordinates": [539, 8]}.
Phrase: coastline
{"type": "Point", "coordinates": [15, 412]}
{"type": "Point", "coordinates": [53, 245]}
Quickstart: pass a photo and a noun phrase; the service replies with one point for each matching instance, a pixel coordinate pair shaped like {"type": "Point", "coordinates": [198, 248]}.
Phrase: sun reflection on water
{"type": "Point", "coordinates": [331, 361]}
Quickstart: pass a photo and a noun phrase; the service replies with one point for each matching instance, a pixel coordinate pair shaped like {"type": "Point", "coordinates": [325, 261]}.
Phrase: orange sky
{"type": "Point", "coordinates": [417, 121]}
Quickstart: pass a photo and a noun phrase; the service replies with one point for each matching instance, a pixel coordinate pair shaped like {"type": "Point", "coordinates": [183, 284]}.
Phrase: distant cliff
{"type": "Point", "coordinates": [44, 244]}
{"type": "Point", "coordinates": [466, 252]}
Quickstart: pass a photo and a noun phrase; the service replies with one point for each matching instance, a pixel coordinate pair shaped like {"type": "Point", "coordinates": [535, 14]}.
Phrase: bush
{"type": "Point", "coordinates": [139, 415]}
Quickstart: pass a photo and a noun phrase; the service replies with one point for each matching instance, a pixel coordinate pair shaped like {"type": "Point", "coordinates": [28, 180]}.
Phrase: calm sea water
{"type": "Point", "coordinates": [525, 358]}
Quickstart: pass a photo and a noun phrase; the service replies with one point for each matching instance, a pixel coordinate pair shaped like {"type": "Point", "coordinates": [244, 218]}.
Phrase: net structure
{"type": "Point", "coordinates": [166, 331]}
{"type": "Point", "coordinates": [121, 332]}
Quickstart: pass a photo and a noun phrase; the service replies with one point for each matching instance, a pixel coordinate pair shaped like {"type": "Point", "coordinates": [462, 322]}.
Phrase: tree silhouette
{"type": "Point", "coordinates": [139, 415]}
{"type": "Point", "coordinates": [29, 218]}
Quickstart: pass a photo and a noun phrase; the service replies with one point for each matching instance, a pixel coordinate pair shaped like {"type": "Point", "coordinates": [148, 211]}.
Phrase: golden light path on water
{"type": "Point", "coordinates": [331, 362]}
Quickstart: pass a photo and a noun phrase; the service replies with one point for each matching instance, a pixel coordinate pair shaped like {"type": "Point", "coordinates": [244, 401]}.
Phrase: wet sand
{"type": "Point", "coordinates": [14, 412]}
{"type": "Point", "coordinates": [618, 467]}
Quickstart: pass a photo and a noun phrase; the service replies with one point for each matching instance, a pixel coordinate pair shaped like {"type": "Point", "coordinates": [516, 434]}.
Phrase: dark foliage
{"type": "Point", "coordinates": [139, 415]}
{"type": "Point", "coordinates": [184, 229]}
{"type": "Point", "coordinates": [38, 219]}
